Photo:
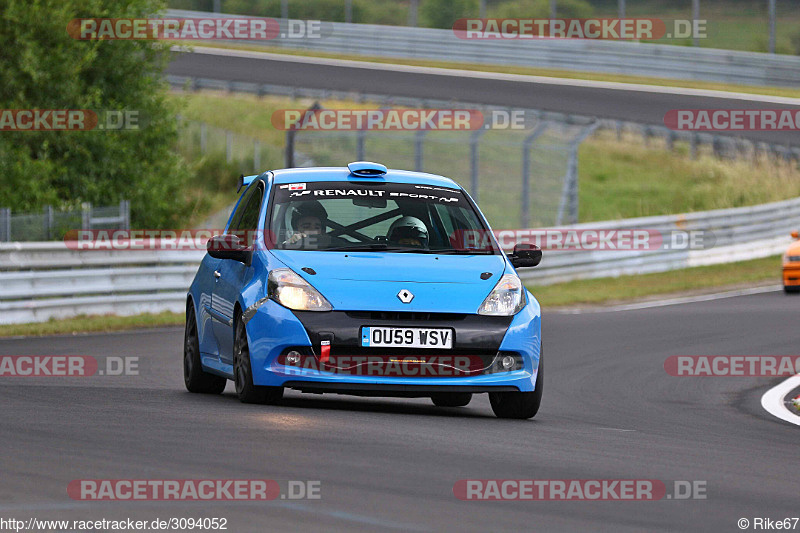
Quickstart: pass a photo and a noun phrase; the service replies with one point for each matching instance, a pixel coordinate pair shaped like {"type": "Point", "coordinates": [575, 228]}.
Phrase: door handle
{"type": "Point", "coordinates": [217, 274]}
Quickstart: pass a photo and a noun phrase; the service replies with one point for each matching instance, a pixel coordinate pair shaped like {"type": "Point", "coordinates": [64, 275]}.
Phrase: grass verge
{"type": "Point", "coordinates": [92, 324]}
{"type": "Point", "coordinates": [628, 288]}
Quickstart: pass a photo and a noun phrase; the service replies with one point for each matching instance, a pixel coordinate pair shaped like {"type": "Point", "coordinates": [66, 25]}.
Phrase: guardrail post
{"type": "Point", "coordinates": [525, 207]}
{"type": "Point", "coordinates": [419, 144]}
{"type": "Point", "coordinates": [5, 224]}
{"type": "Point", "coordinates": [474, 143]}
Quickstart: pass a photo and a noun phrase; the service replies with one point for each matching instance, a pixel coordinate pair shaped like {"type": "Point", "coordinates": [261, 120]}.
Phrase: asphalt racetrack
{"type": "Point", "coordinates": [610, 411]}
{"type": "Point", "coordinates": [568, 97]}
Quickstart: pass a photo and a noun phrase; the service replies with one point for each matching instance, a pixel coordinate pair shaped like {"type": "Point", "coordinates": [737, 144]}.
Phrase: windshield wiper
{"type": "Point", "coordinates": [455, 251]}
{"type": "Point", "coordinates": [375, 247]}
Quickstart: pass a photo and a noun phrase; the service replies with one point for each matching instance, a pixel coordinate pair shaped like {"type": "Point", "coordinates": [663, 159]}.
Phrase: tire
{"type": "Point", "coordinates": [519, 405]}
{"type": "Point", "coordinates": [791, 289]}
{"type": "Point", "coordinates": [451, 399]}
{"type": "Point", "coordinates": [195, 379]}
{"type": "Point", "coordinates": [243, 371]}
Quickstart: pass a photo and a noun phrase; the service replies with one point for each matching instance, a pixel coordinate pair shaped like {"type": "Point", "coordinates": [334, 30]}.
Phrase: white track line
{"type": "Point", "coordinates": [519, 78]}
{"type": "Point", "coordinates": [773, 400]}
{"type": "Point", "coordinates": [669, 301]}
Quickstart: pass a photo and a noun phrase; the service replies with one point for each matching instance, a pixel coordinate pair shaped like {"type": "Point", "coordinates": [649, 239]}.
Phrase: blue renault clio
{"type": "Point", "coordinates": [363, 281]}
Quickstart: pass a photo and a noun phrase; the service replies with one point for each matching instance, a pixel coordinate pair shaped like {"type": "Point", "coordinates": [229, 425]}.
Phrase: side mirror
{"type": "Point", "coordinates": [795, 235]}
{"type": "Point", "coordinates": [525, 255]}
{"type": "Point", "coordinates": [229, 246]}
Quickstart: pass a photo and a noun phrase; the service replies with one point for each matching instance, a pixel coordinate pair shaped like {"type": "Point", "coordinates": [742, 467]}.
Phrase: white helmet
{"type": "Point", "coordinates": [408, 228]}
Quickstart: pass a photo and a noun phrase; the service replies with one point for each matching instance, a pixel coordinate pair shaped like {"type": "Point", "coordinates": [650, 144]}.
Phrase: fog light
{"type": "Point", "coordinates": [293, 358]}
{"type": "Point", "coordinates": [508, 362]}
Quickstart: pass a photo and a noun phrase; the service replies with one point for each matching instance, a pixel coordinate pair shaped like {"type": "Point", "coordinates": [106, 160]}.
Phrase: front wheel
{"type": "Point", "coordinates": [520, 405]}
{"type": "Point", "coordinates": [243, 372]}
{"type": "Point", "coordinates": [791, 289]}
{"type": "Point", "coordinates": [451, 399]}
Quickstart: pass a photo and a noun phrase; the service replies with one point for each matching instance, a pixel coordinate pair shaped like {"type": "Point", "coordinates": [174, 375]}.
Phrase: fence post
{"type": "Point", "coordinates": [474, 143]}
{"type": "Point", "coordinates": [290, 148]}
{"type": "Point", "coordinates": [86, 216]}
{"type": "Point", "coordinates": [47, 222]}
{"type": "Point", "coordinates": [229, 146]}
{"type": "Point", "coordinates": [419, 143]}
{"type": "Point", "coordinates": [361, 137]}
{"type": "Point", "coordinates": [569, 193]}
{"type": "Point", "coordinates": [125, 214]}
{"type": "Point", "coordinates": [5, 224]}
{"type": "Point", "coordinates": [256, 155]}
{"type": "Point", "coordinates": [203, 138]}
{"type": "Point", "coordinates": [693, 145]}
{"type": "Point", "coordinates": [525, 215]}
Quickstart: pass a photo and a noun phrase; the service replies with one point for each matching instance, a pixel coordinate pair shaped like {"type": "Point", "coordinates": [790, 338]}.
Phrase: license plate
{"type": "Point", "coordinates": [381, 336]}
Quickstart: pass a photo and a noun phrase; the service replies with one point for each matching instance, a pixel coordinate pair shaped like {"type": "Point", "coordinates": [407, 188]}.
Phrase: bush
{"type": "Point", "coordinates": [541, 9]}
{"type": "Point", "coordinates": [443, 13]}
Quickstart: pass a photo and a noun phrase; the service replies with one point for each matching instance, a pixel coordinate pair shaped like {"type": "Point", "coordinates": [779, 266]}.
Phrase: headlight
{"type": "Point", "coordinates": [292, 291]}
{"type": "Point", "coordinates": [506, 299]}
{"type": "Point", "coordinates": [791, 258]}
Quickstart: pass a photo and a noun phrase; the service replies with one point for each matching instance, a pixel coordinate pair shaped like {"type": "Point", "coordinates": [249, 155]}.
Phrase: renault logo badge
{"type": "Point", "coordinates": [405, 296]}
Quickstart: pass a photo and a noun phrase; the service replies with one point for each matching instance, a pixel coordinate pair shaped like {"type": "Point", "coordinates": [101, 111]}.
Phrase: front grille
{"type": "Point", "coordinates": [404, 315]}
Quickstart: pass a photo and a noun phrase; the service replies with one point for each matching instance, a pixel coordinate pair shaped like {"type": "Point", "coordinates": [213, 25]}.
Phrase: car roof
{"type": "Point", "coordinates": [342, 174]}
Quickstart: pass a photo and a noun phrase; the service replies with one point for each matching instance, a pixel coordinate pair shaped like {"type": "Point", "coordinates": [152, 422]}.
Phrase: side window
{"type": "Point", "coordinates": [240, 207]}
{"type": "Point", "coordinates": [246, 218]}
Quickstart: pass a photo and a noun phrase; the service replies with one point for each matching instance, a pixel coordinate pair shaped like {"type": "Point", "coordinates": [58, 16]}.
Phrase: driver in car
{"type": "Point", "coordinates": [408, 231]}
{"type": "Point", "coordinates": [308, 222]}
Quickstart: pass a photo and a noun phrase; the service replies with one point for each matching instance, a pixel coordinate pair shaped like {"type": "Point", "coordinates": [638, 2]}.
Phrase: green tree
{"type": "Point", "coordinates": [42, 67]}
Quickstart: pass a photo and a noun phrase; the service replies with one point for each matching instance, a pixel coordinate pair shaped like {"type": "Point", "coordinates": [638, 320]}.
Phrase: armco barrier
{"type": "Point", "coordinates": [48, 279]}
{"type": "Point", "coordinates": [612, 57]}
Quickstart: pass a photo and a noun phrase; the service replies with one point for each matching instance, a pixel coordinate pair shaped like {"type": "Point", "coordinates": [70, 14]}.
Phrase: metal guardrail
{"type": "Point", "coordinates": [739, 234]}
{"type": "Point", "coordinates": [612, 57]}
{"type": "Point", "coordinates": [48, 279]}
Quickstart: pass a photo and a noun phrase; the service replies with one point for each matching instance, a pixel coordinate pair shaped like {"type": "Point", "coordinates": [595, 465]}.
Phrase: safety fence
{"type": "Point", "coordinates": [522, 177]}
{"type": "Point", "coordinates": [49, 279]}
{"type": "Point", "coordinates": [51, 223]}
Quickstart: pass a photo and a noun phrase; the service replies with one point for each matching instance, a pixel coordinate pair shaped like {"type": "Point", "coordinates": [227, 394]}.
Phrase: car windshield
{"type": "Point", "coordinates": [381, 217]}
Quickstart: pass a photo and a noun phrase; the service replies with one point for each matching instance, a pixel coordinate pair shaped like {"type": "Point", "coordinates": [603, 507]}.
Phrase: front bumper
{"type": "Point", "coordinates": [275, 330]}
